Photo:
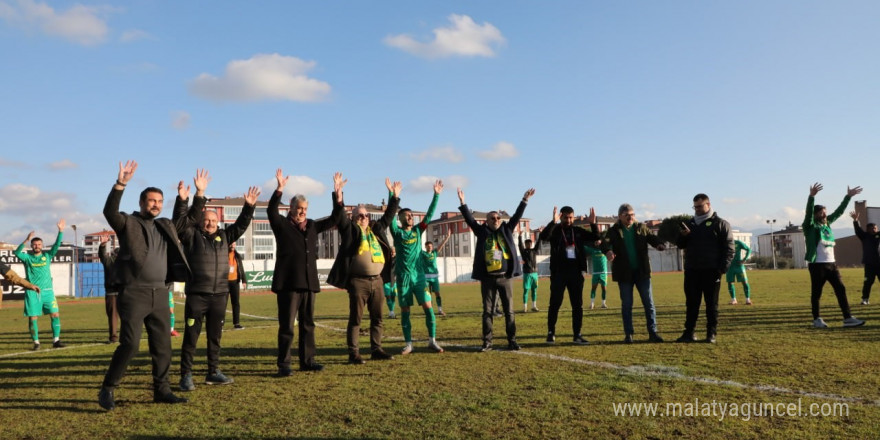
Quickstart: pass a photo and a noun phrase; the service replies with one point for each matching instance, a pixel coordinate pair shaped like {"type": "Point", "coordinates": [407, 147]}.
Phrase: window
{"type": "Point", "coordinates": [231, 213]}
{"type": "Point", "coordinates": [264, 244]}
{"type": "Point", "coordinates": [262, 229]}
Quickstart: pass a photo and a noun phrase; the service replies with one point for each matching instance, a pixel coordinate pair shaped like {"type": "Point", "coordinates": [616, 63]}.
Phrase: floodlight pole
{"type": "Point", "coordinates": [772, 247]}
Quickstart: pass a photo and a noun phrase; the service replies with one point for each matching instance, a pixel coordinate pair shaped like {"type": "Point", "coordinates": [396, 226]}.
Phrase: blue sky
{"type": "Point", "coordinates": [593, 103]}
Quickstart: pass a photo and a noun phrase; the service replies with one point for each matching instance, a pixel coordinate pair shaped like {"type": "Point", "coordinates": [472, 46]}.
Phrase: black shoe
{"type": "Point", "coordinates": [628, 339]}
{"type": "Point", "coordinates": [513, 346]}
{"type": "Point", "coordinates": [284, 372]}
{"type": "Point", "coordinates": [654, 337]}
{"type": "Point", "coordinates": [238, 327]}
{"type": "Point", "coordinates": [356, 359]}
{"type": "Point", "coordinates": [579, 340]}
{"type": "Point", "coordinates": [168, 397]}
{"type": "Point", "coordinates": [551, 339]}
{"type": "Point", "coordinates": [58, 344]}
{"type": "Point", "coordinates": [710, 338]}
{"type": "Point", "coordinates": [487, 346]}
{"type": "Point", "coordinates": [381, 355]}
{"type": "Point", "coordinates": [314, 366]}
{"type": "Point", "coordinates": [105, 399]}
{"type": "Point", "coordinates": [686, 337]}
{"type": "Point", "coordinates": [36, 346]}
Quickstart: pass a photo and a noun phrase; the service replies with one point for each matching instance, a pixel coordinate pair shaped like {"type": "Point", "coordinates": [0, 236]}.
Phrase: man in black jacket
{"type": "Point", "coordinates": [207, 250]}
{"type": "Point", "coordinates": [363, 265]}
{"type": "Point", "coordinates": [495, 263]}
{"type": "Point", "coordinates": [150, 257]}
{"type": "Point", "coordinates": [295, 280]}
{"type": "Point", "coordinates": [529, 254]}
{"type": "Point", "coordinates": [567, 265]}
{"type": "Point", "coordinates": [870, 238]}
{"type": "Point", "coordinates": [708, 245]}
{"type": "Point", "coordinates": [111, 288]}
{"type": "Point", "coordinates": [236, 281]}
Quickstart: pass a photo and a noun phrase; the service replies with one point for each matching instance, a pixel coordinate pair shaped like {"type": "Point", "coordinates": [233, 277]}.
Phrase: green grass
{"type": "Point", "coordinates": [766, 353]}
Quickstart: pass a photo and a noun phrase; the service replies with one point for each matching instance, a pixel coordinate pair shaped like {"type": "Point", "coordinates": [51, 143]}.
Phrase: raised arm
{"type": "Point", "coordinates": [438, 188]}
{"type": "Point", "coordinates": [275, 217]}
{"type": "Point", "coordinates": [443, 243]}
{"type": "Point", "coordinates": [237, 229]}
{"type": "Point", "coordinates": [338, 212]}
{"type": "Point", "coordinates": [859, 231]}
{"type": "Point", "coordinates": [393, 204]}
{"type": "Point", "coordinates": [54, 250]}
{"type": "Point", "coordinates": [850, 192]}
{"type": "Point", "coordinates": [115, 218]}
{"type": "Point", "coordinates": [520, 209]}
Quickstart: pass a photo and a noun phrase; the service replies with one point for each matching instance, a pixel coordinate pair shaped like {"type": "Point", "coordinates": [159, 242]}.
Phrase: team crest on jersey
{"type": "Point", "coordinates": [709, 223]}
{"type": "Point", "coordinates": [43, 258]}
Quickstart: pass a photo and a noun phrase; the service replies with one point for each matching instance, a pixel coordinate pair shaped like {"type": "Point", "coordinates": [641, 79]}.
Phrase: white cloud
{"type": "Point", "coordinates": [304, 185]}
{"type": "Point", "coordinates": [462, 38]}
{"type": "Point", "coordinates": [79, 24]}
{"type": "Point", "coordinates": [12, 163]}
{"type": "Point", "coordinates": [454, 181]}
{"type": "Point", "coordinates": [423, 184]}
{"type": "Point", "coordinates": [444, 154]}
{"type": "Point", "coordinates": [65, 164]}
{"type": "Point", "coordinates": [270, 77]}
{"type": "Point", "coordinates": [500, 151]}
{"type": "Point", "coordinates": [180, 120]}
{"type": "Point", "coordinates": [132, 35]}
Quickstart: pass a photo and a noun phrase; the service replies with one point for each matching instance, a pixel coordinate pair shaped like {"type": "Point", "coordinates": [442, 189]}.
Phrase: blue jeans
{"type": "Point", "coordinates": [626, 303]}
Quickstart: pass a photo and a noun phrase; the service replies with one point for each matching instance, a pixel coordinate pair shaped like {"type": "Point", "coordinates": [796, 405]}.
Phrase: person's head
{"type": "Point", "coordinates": [871, 228]}
{"type": "Point", "coordinates": [429, 246]}
{"type": "Point", "coordinates": [361, 217]}
{"type": "Point", "coordinates": [528, 244]}
{"type": "Point", "coordinates": [702, 206]}
{"type": "Point", "coordinates": [566, 216]}
{"type": "Point", "coordinates": [819, 214]}
{"type": "Point", "coordinates": [493, 220]}
{"type": "Point", "coordinates": [37, 245]}
{"type": "Point", "coordinates": [626, 215]}
{"type": "Point", "coordinates": [209, 221]}
{"type": "Point", "coordinates": [299, 208]}
{"type": "Point", "coordinates": [151, 202]}
{"type": "Point", "coordinates": [406, 218]}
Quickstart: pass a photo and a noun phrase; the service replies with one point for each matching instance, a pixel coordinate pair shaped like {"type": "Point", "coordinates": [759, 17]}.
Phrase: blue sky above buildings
{"type": "Point", "coordinates": [593, 103]}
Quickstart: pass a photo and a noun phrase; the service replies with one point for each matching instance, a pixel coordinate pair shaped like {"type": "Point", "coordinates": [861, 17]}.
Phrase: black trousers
{"type": "Point", "coordinates": [139, 307]}
{"type": "Point", "coordinates": [819, 274]}
{"type": "Point", "coordinates": [210, 308]}
{"type": "Point", "coordinates": [369, 292]}
{"type": "Point", "coordinates": [234, 298]}
{"type": "Point", "coordinates": [699, 285]}
{"type": "Point", "coordinates": [871, 271]}
{"type": "Point", "coordinates": [502, 288]}
{"type": "Point", "coordinates": [573, 280]}
{"type": "Point", "coordinates": [299, 305]}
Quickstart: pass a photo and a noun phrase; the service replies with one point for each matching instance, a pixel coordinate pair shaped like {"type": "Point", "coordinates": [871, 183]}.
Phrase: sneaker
{"type": "Point", "coordinates": [820, 323]}
{"type": "Point", "coordinates": [852, 321]}
{"type": "Point", "coordinates": [686, 337]}
{"type": "Point", "coordinates": [604, 306]}
{"type": "Point", "coordinates": [356, 359]}
{"type": "Point", "coordinates": [186, 382]}
{"type": "Point", "coordinates": [748, 301]}
{"type": "Point", "coordinates": [579, 340]}
{"type": "Point", "coordinates": [487, 346]}
{"type": "Point", "coordinates": [407, 349]}
{"type": "Point", "coordinates": [174, 333]}
{"type": "Point", "coordinates": [284, 372]}
{"type": "Point", "coordinates": [238, 327]}
{"type": "Point", "coordinates": [314, 366]}
{"type": "Point", "coordinates": [551, 339]}
{"type": "Point", "coordinates": [433, 345]}
{"type": "Point", "coordinates": [733, 302]}
{"type": "Point", "coordinates": [592, 305]}
{"type": "Point", "coordinates": [513, 346]}
{"type": "Point", "coordinates": [628, 339]}
{"type": "Point", "coordinates": [36, 346]}
{"type": "Point", "coordinates": [168, 397]}
{"type": "Point", "coordinates": [218, 378]}
{"type": "Point", "coordinates": [525, 308]}
{"type": "Point", "coordinates": [58, 344]}
{"type": "Point", "coordinates": [710, 337]}
{"type": "Point", "coordinates": [655, 338]}
{"type": "Point", "coordinates": [535, 308]}
{"type": "Point", "coordinates": [105, 399]}
{"type": "Point", "coordinates": [864, 301]}
{"type": "Point", "coordinates": [391, 315]}
{"type": "Point", "coordinates": [440, 311]}
{"type": "Point", "coordinates": [380, 355]}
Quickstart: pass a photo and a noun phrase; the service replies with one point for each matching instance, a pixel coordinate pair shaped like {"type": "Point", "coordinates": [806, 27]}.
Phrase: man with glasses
{"type": "Point", "coordinates": [495, 263]}
{"type": "Point", "coordinates": [362, 266]}
{"type": "Point", "coordinates": [708, 245]}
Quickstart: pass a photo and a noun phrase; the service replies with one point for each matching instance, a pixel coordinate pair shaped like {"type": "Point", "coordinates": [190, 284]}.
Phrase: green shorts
{"type": "Point", "coordinates": [409, 287]}
{"type": "Point", "coordinates": [737, 276]}
{"type": "Point", "coordinates": [600, 278]}
{"type": "Point", "coordinates": [36, 304]}
{"type": "Point", "coordinates": [530, 281]}
{"type": "Point", "coordinates": [390, 289]}
{"type": "Point", "coordinates": [433, 284]}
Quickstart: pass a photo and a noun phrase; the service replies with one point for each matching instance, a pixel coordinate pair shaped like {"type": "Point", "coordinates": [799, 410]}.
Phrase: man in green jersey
{"type": "Point", "coordinates": [599, 264]}
{"type": "Point", "coordinates": [737, 272]}
{"type": "Point", "coordinates": [530, 273]}
{"type": "Point", "coordinates": [432, 275]}
{"type": "Point", "coordinates": [37, 271]}
{"type": "Point", "coordinates": [409, 273]}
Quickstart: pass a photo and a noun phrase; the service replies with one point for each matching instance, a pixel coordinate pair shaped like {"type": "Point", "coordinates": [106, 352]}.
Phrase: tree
{"type": "Point", "coordinates": [670, 227]}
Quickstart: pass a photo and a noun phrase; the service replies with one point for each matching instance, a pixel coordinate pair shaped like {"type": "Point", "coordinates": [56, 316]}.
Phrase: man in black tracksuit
{"type": "Point", "coordinates": [207, 249]}
{"type": "Point", "coordinates": [709, 248]}
{"type": "Point", "coordinates": [870, 238]}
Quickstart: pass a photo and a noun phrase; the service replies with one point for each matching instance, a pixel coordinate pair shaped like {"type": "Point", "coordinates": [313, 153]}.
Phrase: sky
{"type": "Point", "coordinates": [592, 103]}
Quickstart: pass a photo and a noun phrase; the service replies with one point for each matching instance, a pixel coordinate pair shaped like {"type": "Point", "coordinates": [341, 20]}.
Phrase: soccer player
{"type": "Point", "coordinates": [599, 264]}
{"type": "Point", "coordinates": [37, 271]}
{"type": "Point", "coordinates": [432, 275]}
{"type": "Point", "coordinates": [870, 238]}
{"type": "Point", "coordinates": [529, 256]}
{"type": "Point", "coordinates": [408, 271]}
{"type": "Point", "coordinates": [390, 289]}
{"type": "Point", "coordinates": [737, 272]}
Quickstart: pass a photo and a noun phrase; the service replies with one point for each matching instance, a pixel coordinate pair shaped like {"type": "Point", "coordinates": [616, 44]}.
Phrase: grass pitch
{"type": "Point", "coordinates": [767, 354]}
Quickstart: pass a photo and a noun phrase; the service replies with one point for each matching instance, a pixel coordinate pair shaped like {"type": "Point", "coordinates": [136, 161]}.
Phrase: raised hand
{"type": "Point", "coordinates": [815, 188]}
{"type": "Point", "coordinates": [201, 181]}
{"type": "Point", "coordinates": [252, 194]}
{"type": "Point", "coordinates": [556, 215]}
{"type": "Point", "coordinates": [282, 180]}
{"type": "Point", "coordinates": [461, 196]}
{"type": "Point", "coordinates": [60, 225]}
{"type": "Point", "coordinates": [853, 191]}
{"type": "Point", "coordinates": [854, 215]}
{"type": "Point", "coordinates": [388, 185]}
{"type": "Point", "coordinates": [182, 190]}
{"type": "Point", "coordinates": [396, 188]}
{"type": "Point", "coordinates": [126, 171]}
{"type": "Point", "coordinates": [529, 193]}
{"type": "Point", "coordinates": [104, 239]}
{"type": "Point", "coordinates": [338, 183]}
{"type": "Point", "coordinates": [438, 186]}
{"type": "Point", "coordinates": [30, 236]}
{"type": "Point", "coordinates": [592, 217]}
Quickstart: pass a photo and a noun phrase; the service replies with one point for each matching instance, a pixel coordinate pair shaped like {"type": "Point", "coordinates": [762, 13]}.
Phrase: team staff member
{"type": "Point", "coordinates": [236, 279]}
{"type": "Point", "coordinates": [111, 288]}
